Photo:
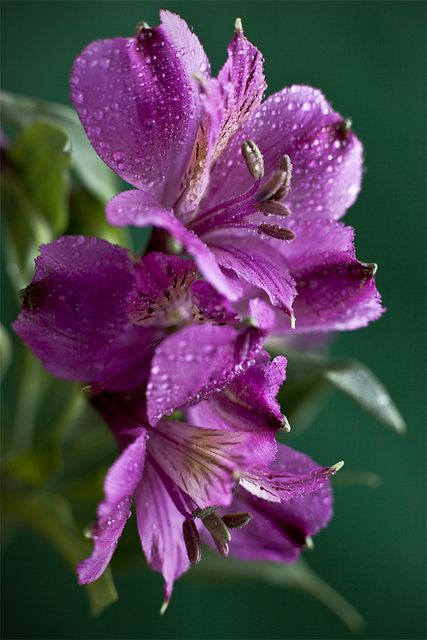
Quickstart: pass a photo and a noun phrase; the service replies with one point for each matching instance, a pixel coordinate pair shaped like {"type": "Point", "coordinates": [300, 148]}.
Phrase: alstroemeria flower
{"type": "Point", "coordinates": [181, 476]}
{"type": "Point", "coordinates": [220, 171]}
{"type": "Point", "coordinates": [93, 313]}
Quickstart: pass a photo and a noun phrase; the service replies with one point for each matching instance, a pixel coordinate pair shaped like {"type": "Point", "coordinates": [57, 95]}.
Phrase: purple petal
{"type": "Point", "coordinates": [258, 263]}
{"type": "Point", "coordinates": [242, 84]}
{"type": "Point", "coordinates": [160, 528]}
{"type": "Point", "coordinates": [113, 512]}
{"type": "Point", "coordinates": [195, 363]}
{"type": "Point", "coordinates": [135, 208]}
{"type": "Point", "coordinates": [204, 463]}
{"type": "Point", "coordinates": [74, 319]}
{"type": "Point", "coordinates": [162, 283]}
{"type": "Point", "coordinates": [336, 292]}
{"type": "Point", "coordinates": [139, 103]}
{"type": "Point", "coordinates": [278, 531]}
{"type": "Point", "coordinates": [249, 403]}
{"type": "Point", "coordinates": [327, 162]}
{"type": "Point", "coordinates": [210, 306]}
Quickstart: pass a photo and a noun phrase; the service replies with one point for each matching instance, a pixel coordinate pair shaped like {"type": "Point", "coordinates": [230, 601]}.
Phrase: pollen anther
{"type": "Point", "coordinates": [253, 158]}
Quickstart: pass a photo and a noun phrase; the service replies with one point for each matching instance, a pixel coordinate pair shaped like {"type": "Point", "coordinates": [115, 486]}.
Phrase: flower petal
{"type": "Point", "coordinates": [278, 531]}
{"type": "Point", "coordinates": [160, 528]}
{"type": "Point", "coordinates": [336, 292]}
{"type": "Point", "coordinates": [242, 84]}
{"type": "Point", "coordinates": [74, 319]}
{"type": "Point", "coordinates": [162, 283]}
{"type": "Point", "coordinates": [135, 208]}
{"type": "Point", "coordinates": [257, 262]}
{"type": "Point", "coordinates": [113, 512]}
{"type": "Point", "coordinates": [139, 103]}
{"type": "Point", "coordinates": [204, 463]}
{"type": "Point", "coordinates": [327, 160]}
{"type": "Point", "coordinates": [195, 363]}
{"type": "Point", "coordinates": [249, 403]}
{"type": "Point", "coordinates": [210, 306]}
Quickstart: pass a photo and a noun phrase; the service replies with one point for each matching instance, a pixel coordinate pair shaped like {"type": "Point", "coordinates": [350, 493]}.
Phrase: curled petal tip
{"type": "Point", "coordinates": [336, 467]}
{"type": "Point", "coordinates": [370, 267]}
{"type": "Point", "coordinates": [293, 321]}
{"type": "Point", "coordinates": [164, 606]}
{"type": "Point", "coordinates": [238, 25]}
{"type": "Point", "coordinates": [285, 425]}
{"type": "Point", "coordinates": [309, 543]}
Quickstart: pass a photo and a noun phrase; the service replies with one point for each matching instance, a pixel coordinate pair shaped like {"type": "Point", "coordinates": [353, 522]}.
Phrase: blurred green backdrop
{"type": "Point", "coordinates": [369, 59]}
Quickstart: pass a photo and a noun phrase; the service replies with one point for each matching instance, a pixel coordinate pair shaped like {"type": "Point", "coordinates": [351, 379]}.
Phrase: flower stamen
{"type": "Point", "coordinates": [253, 158]}
{"type": "Point", "coordinates": [274, 231]}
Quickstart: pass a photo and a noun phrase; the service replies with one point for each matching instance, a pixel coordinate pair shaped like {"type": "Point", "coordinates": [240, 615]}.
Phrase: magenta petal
{"type": "Point", "coordinates": [327, 164]}
{"type": "Point", "coordinates": [196, 362]}
{"type": "Point", "coordinates": [73, 315]}
{"type": "Point", "coordinates": [259, 263]}
{"type": "Point", "coordinates": [278, 531]}
{"type": "Point", "coordinates": [139, 103]}
{"type": "Point", "coordinates": [113, 512]}
{"type": "Point", "coordinates": [242, 84]}
{"type": "Point", "coordinates": [135, 208]}
{"type": "Point", "coordinates": [204, 463]}
{"type": "Point", "coordinates": [249, 403]}
{"type": "Point", "coordinates": [210, 306]}
{"type": "Point", "coordinates": [162, 281]}
{"type": "Point", "coordinates": [160, 528]}
{"type": "Point", "coordinates": [335, 290]}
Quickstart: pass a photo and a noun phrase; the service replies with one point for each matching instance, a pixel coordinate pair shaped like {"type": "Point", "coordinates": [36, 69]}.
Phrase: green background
{"type": "Point", "coordinates": [369, 59]}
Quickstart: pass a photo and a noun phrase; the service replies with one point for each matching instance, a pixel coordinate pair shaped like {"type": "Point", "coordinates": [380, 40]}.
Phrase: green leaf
{"type": "Point", "coordinates": [39, 156]}
{"type": "Point", "coordinates": [87, 217]}
{"type": "Point", "coordinates": [21, 111]}
{"type": "Point", "coordinates": [5, 351]}
{"type": "Point", "coordinates": [362, 386]}
{"type": "Point", "coordinates": [24, 230]}
{"type": "Point", "coordinates": [293, 576]}
{"type": "Point", "coordinates": [309, 375]}
{"type": "Point", "coordinates": [51, 516]}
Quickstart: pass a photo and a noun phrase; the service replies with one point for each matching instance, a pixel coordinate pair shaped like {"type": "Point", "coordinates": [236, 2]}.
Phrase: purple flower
{"type": "Point", "coordinates": [92, 313]}
{"type": "Point", "coordinates": [192, 482]}
{"type": "Point", "coordinates": [253, 191]}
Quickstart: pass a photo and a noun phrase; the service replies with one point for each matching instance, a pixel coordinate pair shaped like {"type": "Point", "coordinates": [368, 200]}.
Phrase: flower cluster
{"type": "Point", "coordinates": [171, 347]}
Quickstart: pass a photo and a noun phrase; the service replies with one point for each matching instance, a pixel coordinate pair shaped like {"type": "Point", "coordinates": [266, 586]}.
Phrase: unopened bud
{"type": "Point", "coordinates": [253, 158]}
{"type": "Point", "coordinates": [237, 520]}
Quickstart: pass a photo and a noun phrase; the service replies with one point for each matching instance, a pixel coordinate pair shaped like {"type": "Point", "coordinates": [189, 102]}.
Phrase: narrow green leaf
{"type": "Point", "coordinates": [5, 351]}
{"type": "Point", "coordinates": [21, 111]}
{"type": "Point", "coordinates": [308, 373]}
{"type": "Point", "coordinates": [362, 386]}
{"type": "Point", "coordinates": [357, 478]}
{"type": "Point", "coordinates": [23, 228]}
{"type": "Point", "coordinates": [51, 516]}
{"type": "Point", "coordinates": [293, 576]}
{"type": "Point", "coordinates": [87, 217]}
{"type": "Point", "coordinates": [39, 156]}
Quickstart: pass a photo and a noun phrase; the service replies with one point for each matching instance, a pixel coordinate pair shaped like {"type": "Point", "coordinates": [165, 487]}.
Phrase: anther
{"type": "Point", "coordinates": [285, 165]}
{"type": "Point", "coordinates": [273, 208]}
{"type": "Point", "coordinates": [269, 190]}
{"type": "Point", "coordinates": [274, 231]}
{"type": "Point", "coordinates": [218, 530]}
{"type": "Point", "coordinates": [253, 158]}
{"type": "Point", "coordinates": [192, 540]}
{"type": "Point", "coordinates": [238, 24]}
{"type": "Point", "coordinates": [237, 520]}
